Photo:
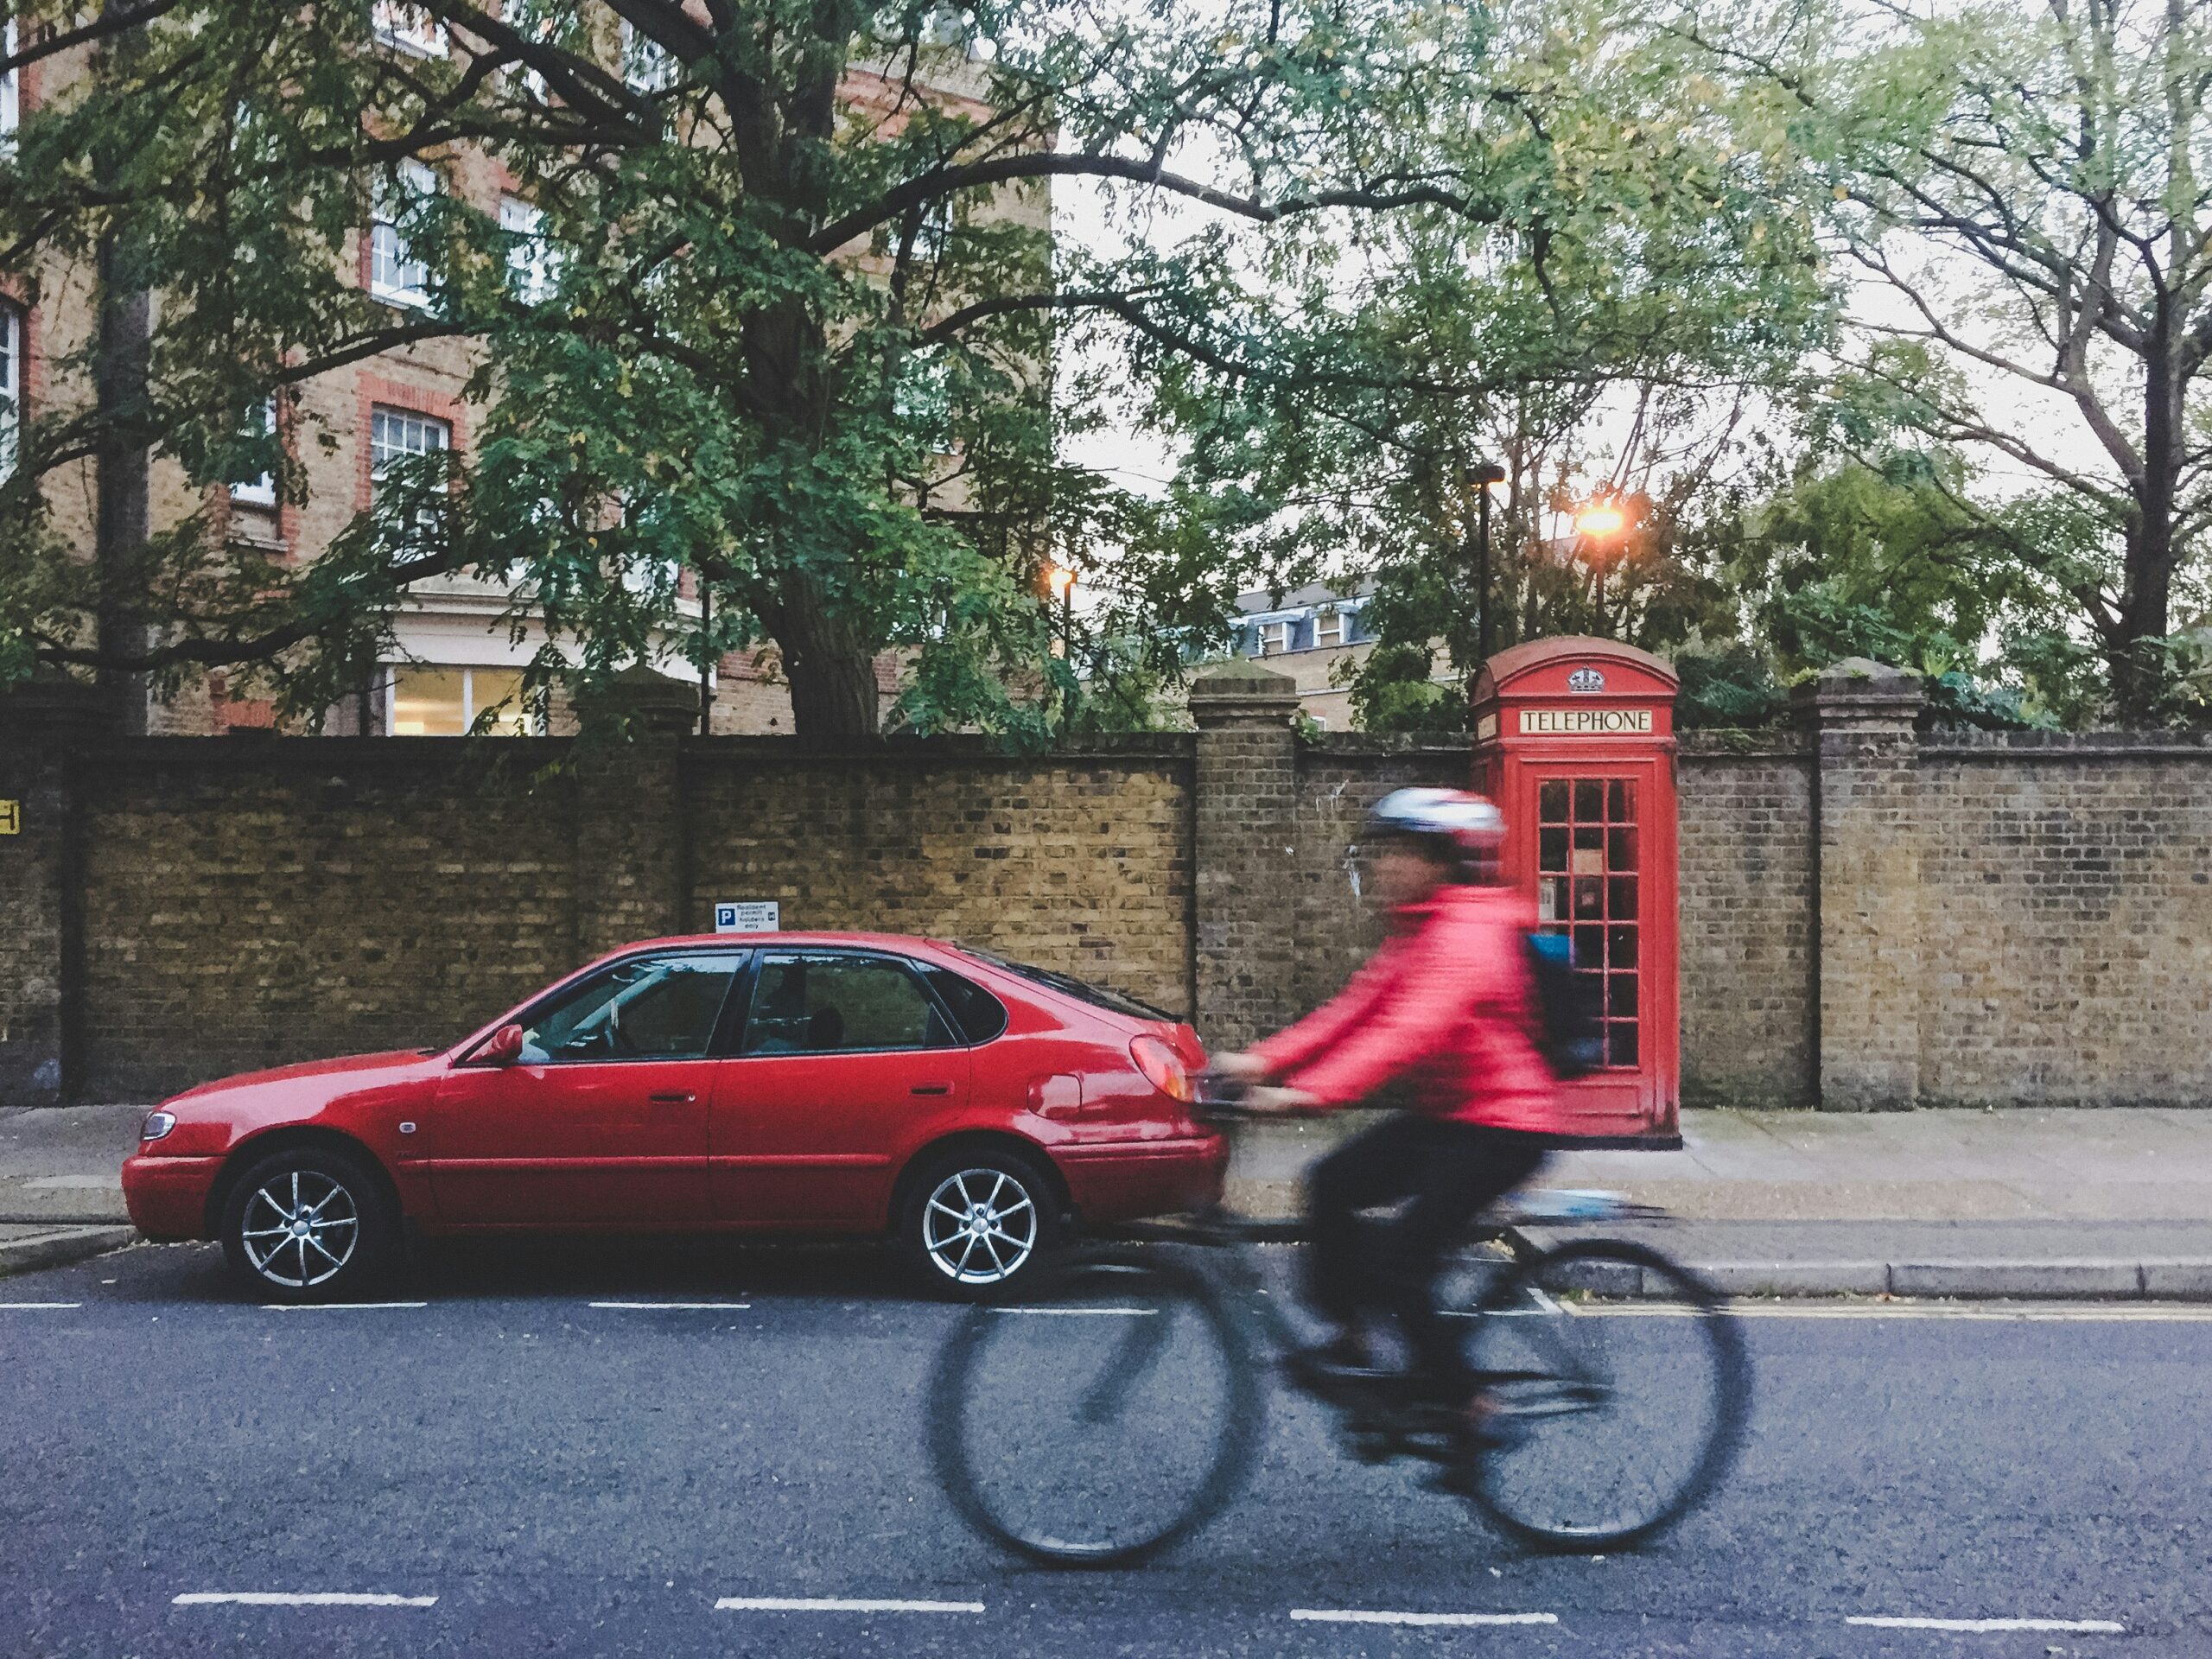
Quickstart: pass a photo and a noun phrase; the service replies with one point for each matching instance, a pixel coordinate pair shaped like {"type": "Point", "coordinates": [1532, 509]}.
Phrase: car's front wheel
{"type": "Point", "coordinates": [308, 1225]}
{"type": "Point", "coordinates": [974, 1223]}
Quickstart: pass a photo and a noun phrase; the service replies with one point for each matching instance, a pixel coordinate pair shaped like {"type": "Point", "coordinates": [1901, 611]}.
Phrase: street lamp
{"type": "Point", "coordinates": [1601, 521]}
{"type": "Point", "coordinates": [1061, 580]}
{"type": "Point", "coordinates": [1481, 477]}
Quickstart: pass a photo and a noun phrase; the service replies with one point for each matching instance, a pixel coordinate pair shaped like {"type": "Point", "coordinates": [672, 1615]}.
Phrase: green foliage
{"type": "Point", "coordinates": [1395, 690]}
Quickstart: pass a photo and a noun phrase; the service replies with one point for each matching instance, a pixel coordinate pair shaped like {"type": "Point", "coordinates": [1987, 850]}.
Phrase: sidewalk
{"type": "Point", "coordinates": [2098, 1204]}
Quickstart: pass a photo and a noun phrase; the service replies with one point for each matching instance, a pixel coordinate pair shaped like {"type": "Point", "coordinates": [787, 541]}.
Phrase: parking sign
{"type": "Point", "coordinates": [747, 916]}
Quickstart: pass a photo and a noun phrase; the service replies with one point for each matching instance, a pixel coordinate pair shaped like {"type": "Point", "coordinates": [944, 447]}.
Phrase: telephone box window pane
{"type": "Point", "coordinates": [1589, 898]}
{"type": "Point", "coordinates": [1620, 947]}
{"type": "Point", "coordinates": [1620, 800]}
{"type": "Point", "coordinates": [1551, 899]}
{"type": "Point", "coordinates": [1551, 801]}
{"type": "Point", "coordinates": [1589, 800]}
{"type": "Point", "coordinates": [1620, 995]}
{"type": "Point", "coordinates": [1551, 851]}
{"type": "Point", "coordinates": [1621, 898]}
{"type": "Point", "coordinates": [1620, 850]}
{"type": "Point", "coordinates": [1589, 946]}
{"type": "Point", "coordinates": [1620, 1044]}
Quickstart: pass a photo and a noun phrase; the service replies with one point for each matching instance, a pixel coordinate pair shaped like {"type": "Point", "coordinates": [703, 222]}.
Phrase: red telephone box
{"type": "Point", "coordinates": [1574, 739]}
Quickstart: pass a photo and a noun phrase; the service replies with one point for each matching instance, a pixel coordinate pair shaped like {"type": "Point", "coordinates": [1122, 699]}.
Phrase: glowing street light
{"type": "Point", "coordinates": [1600, 519]}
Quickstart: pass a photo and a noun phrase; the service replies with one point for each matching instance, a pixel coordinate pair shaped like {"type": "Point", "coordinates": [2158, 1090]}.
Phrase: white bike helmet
{"type": "Point", "coordinates": [1474, 826]}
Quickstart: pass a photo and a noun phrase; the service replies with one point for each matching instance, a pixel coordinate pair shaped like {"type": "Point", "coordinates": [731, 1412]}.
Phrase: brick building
{"type": "Point", "coordinates": [459, 654]}
{"type": "Point", "coordinates": [1313, 636]}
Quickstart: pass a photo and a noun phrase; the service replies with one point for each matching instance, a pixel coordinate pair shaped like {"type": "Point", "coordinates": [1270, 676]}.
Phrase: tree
{"type": "Point", "coordinates": [780, 345]}
{"type": "Point", "coordinates": [2030, 186]}
{"type": "Point", "coordinates": [1615, 325]}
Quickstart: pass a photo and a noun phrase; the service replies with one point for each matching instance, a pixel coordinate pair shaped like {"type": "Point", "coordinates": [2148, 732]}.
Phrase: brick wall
{"type": "Point", "coordinates": [1080, 862]}
{"type": "Point", "coordinates": [1864, 923]}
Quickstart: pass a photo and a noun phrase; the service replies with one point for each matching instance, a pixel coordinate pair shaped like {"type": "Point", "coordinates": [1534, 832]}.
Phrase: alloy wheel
{"type": "Point", "coordinates": [299, 1229]}
{"type": "Point", "coordinates": [979, 1226]}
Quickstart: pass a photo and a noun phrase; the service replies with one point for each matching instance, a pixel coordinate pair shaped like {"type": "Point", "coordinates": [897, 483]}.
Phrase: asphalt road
{"type": "Point", "coordinates": [567, 1478]}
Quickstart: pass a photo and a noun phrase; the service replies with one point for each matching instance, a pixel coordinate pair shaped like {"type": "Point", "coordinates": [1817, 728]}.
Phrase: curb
{"type": "Point", "coordinates": [61, 1246]}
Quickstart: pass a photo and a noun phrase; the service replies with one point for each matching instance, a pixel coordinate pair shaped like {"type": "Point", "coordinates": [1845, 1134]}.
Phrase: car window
{"type": "Point", "coordinates": [980, 1015]}
{"type": "Point", "coordinates": [647, 1008]}
{"type": "Point", "coordinates": [1098, 996]}
{"type": "Point", "coordinates": [818, 1004]}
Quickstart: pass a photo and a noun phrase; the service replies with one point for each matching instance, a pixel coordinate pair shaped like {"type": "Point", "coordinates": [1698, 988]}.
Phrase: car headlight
{"type": "Point", "coordinates": [157, 1125]}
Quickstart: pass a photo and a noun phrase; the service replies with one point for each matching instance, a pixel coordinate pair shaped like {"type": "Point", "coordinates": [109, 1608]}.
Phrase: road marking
{"type": "Point", "coordinates": [838, 1604]}
{"type": "Point", "coordinates": [301, 1599]}
{"type": "Point", "coordinates": [32, 1307]}
{"type": "Point", "coordinates": [1085, 1312]}
{"type": "Point", "coordinates": [1348, 1616]}
{"type": "Point", "coordinates": [2073, 1626]}
{"type": "Point", "coordinates": [330, 1307]}
{"type": "Point", "coordinates": [2098, 1315]}
{"type": "Point", "coordinates": [664, 1307]}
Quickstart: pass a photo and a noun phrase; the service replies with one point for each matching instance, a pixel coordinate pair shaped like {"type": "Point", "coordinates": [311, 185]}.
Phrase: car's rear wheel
{"type": "Point", "coordinates": [975, 1222]}
{"type": "Point", "coordinates": [308, 1225]}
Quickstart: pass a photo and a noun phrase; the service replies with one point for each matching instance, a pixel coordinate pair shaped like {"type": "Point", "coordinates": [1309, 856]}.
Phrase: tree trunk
{"type": "Point", "coordinates": [830, 666]}
{"type": "Point", "coordinates": [122, 461]}
{"type": "Point", "coordinates": [2138, 665]}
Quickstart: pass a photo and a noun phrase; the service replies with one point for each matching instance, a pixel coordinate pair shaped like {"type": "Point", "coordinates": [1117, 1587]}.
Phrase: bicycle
{"type": "Point", "coordinates": [1118, 1407]}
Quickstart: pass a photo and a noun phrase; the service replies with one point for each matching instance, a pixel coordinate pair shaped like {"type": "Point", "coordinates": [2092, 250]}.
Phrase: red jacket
{"type": "Point", "coordinates": [1448, 1002]}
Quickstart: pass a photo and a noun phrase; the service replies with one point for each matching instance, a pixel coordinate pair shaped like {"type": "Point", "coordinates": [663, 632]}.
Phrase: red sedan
{"type": "Point", "coordinates": [970, 1108]}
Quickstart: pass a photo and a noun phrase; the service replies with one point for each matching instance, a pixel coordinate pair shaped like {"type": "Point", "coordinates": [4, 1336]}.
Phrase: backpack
{"type": "Point", "coordinates": [1569, 1032]}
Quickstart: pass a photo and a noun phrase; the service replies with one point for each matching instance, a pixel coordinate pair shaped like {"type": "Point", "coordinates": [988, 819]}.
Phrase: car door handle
{"type": "Point", "coordinates": [932, 1089]}
{"type": "Point", "coordinates": [673, 1097]}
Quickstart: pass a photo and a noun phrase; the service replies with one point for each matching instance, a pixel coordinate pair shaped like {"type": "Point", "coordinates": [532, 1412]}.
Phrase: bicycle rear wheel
{"type": "Point", "coordinates": [1622, 1389]}
{"type": "Point", "coordinates": [1105, 1414]}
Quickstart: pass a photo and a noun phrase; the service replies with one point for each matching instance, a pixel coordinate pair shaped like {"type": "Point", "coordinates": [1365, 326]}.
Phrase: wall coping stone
{"type": "Point", "coordinates": [966, 748]}
{"type": "Point", "coordinates": [1361, 743]}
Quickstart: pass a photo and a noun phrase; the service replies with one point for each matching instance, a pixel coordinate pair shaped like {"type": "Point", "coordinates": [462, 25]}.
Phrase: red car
{"type": "Point", "coordinates": [969, 1107]}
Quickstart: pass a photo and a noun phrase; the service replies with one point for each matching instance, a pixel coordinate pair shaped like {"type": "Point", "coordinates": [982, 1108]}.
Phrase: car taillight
{"type": "Point", "coordinates": [1163, 1068]}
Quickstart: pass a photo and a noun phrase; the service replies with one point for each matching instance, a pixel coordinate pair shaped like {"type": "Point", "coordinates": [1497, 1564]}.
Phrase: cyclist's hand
{"type": "Point", "coordinates": [1237, 1068]}
{"type": "Point", "coordinates": [1287, 1102]}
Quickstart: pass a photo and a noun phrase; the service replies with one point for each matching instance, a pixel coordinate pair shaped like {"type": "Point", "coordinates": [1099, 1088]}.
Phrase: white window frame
{"type": "Point", "coordinates": [260, 492]}
{"type": "Point", "coordinates": [1328, 618]}
{"type": "Point", "coordinates": [396, 276]}
{"type": "Point", "coordinates": [468, 672]}
{"type": "Point", "coordinates": [1275, 636]}
{"type": "Point", "coordinates": [12, 332]}
{"type": "Point", "coordinates": [12, 91]}
{"type": "Point", "coordinates": [434, 432]}
{"type": "Point", "coordinates": [647, 66]}
{"type": "Point", "coordinates": [408, 27]}
{"type": "Point", "coordinates": [530, 257]}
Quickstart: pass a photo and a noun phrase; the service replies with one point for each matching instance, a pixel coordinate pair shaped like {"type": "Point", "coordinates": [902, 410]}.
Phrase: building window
{"type": "Point", "coordinates": [530, 256]}
{"type": "Point", "coordinates": [11, 386]}
{"type": "Point", "coordinates": [433, 701]}
{"type": "Point", "coordinates": [647, 66]}
{"type": "Point", "coordinates": [396, 276]}
{"type": "Point", "coordinates": [396, 436]}
{"type": "Point", "coordinates": [11, 109]}
{"type": "Point", "coordinates": [260, 492]}
{"type": "Point", "coordinates": [1274, 638]}
{"type": "Point", "coordinates": [412, 28]}
{"type": "Point", "coordinates": [1329, 628]}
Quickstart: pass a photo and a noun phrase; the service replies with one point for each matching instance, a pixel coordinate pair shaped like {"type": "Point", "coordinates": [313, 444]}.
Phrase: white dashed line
{"type": "Point", "coordinates": [299, 1598]}
{"type": "Point", "coordinates": [1085, 1312]}
{"type": "Point", "coordinates": [332, 1307]}
{"type": "Point", "coordinates": [667, 1307]}
{"type": "Point", "coordinates": [838, 1604]}
{"type": "Point", "coordinates": [35, 1307]}
{"type": "Point", "coordinates": [1978, 1626]}
{"type": "Point", "coordinates": [1353, 1615]}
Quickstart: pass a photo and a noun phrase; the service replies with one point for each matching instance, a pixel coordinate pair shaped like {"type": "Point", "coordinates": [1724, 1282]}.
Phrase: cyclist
{"type": "Point", "coordinates": [1447, 1004]}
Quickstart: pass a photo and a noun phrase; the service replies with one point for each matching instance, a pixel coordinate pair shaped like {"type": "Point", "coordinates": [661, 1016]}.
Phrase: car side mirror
{"type": "Point", "coordinates": [504, 1048]}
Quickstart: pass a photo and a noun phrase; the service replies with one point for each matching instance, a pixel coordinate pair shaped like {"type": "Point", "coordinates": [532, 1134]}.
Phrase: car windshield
{"type": "Point", "coordinates": [1083, 990]}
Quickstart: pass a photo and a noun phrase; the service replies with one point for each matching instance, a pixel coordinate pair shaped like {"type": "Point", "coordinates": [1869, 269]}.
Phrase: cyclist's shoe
{"type": "Point", "coordinates": [1330, 1370]}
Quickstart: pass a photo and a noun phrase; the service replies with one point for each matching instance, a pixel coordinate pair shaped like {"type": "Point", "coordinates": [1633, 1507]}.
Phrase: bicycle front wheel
{"type": "Point", "coordinates": [1621, 1388]}
{"type": "Point", "coordinates": [1105, 1414]}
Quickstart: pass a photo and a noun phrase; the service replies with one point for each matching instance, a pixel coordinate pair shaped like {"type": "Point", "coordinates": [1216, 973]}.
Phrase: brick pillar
{"type": "Point", "coordinates": [631, 854]}
{"type": "Point", "coordinates": [1867, 885]}
{"type": "Point", "coordinates": [46, 731]}
{"type": "Point", "coordinates": [1247, 786]}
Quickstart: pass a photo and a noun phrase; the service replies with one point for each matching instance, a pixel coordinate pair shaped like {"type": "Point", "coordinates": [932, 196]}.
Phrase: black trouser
{"type": "Point", "coordinates": [1449, 1172]}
